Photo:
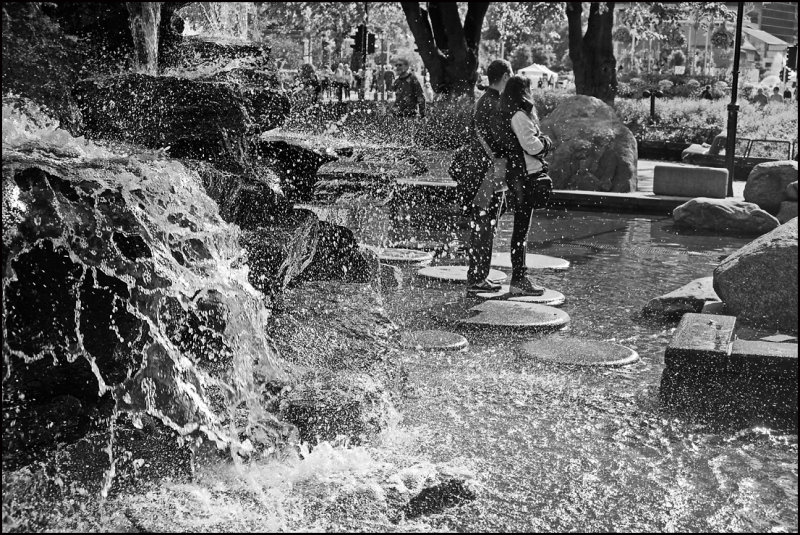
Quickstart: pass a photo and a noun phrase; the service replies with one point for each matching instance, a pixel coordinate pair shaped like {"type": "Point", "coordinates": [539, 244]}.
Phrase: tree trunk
{"type": "Point", "coordinates": [592, 53]}
{"type": "Point", "coordinates": [449, 50]}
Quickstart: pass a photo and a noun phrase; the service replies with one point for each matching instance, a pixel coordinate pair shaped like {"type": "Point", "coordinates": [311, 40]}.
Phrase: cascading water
{"type": "Point", "coordinates": [145, 18]}
{"type": "Point", "coordinates": [145, 228]}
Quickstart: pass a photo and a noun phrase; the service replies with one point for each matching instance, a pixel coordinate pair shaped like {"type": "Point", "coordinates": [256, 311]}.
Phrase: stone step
{"type": "Point", "coordinates": [433, 340]}
{"type": "Point", "coordinates": [516, 315]}
{"type": "Point", "coordinates": [580, 352]}
{"type": "Point", "coordinates": [457, 274]}
{"type": "Point", "coordinates": [758, 357]}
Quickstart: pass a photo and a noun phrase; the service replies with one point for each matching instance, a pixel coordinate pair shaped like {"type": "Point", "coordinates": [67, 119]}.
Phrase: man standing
{"type": "Point", "coordinates": [408, 94]}
{"type": "Point", "coordinates": [484, 221]}
{"type": "Point", "coordinates": [776, 95]}
{"type": "Point", "coordinates": [760, 99]}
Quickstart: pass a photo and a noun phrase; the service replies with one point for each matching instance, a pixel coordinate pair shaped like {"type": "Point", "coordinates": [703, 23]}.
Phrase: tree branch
{"type": "Point", "coordinates": [473, 23]}
{"type": "Point", "coordinates": [420, 27]}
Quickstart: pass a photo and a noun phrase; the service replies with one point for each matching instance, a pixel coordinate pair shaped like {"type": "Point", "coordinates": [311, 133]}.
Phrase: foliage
{"type": "Point", "coordinates": [677, 58]}
{"type": "Point", "coordinates": [722, 38]}
{"type": "Point", "coordinates": [699, 121]}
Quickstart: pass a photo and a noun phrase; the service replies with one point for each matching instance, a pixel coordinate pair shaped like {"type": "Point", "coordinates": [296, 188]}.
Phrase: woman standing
{"type": "Point", "coordinates": [516, 129]}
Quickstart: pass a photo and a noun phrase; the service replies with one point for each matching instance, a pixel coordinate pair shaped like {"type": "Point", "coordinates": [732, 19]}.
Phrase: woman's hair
{"type": "Point", "coordinates": [517, 96]}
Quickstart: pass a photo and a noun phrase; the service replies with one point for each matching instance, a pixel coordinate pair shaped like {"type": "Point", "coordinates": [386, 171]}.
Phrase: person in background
{"type": "Point", "coordinates": [483, 222]}
{"type": "Point", "coordinates": [388, 80]}
{"type": "Point", "coordinates": [339, 80]}
{"type": "Point", "coordinates": [326, 80]}
{"type": "Point", "coordinates": [776, 95]}
{"type": "Point", "coordinates": [706, 94]}
{"type": "Point", "coordinates": [516, 129]}
{"type": "Point", "coordinates": [760, 99]}
{"type": "Point", "coordinates": [348, 81]}
{"type": "Point", "coordinates": [787, 94]}
{"type": "Point", "coordinates": [407, 90]}
{"type": "Point", "coordinates": [308, 82]}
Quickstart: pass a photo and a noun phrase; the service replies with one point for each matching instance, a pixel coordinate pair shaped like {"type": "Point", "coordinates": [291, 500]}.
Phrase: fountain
{"type": "Point", "coordinates": [168, 367]}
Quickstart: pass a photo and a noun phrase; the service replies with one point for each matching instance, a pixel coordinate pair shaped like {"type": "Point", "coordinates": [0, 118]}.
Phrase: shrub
{"type": "Point", "coordinates": [665, 86]}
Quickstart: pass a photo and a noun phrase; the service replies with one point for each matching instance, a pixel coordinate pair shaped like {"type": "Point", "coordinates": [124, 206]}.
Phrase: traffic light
{"type": "Point", "coordinates": [791, 57]}
{"type": "Point", "coordinates": [359, 39]}
{"type": "Point", "coordinates": [370, 43]}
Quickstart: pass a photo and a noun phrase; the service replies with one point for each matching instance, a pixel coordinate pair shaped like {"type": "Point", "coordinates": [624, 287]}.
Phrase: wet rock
{"type": "Point", "coordinates": [791, 192]}
{"type": "Point", "coordinates": [328, 406]}
{"type": "Point", "coordinates": [767, 183]}
{"type": "Point", "coordinates": [295, 161]}
{"type": "Point", "coordinates": [787, 211]}
{"type": "Point", "coordinates": [724, 215]}
{"type": "Point", "coordinates": [593, 150]}
{"type": "Point", "coordinates": [689, 298]}
{"type": "Point", "coordinates": [436, 499]}
{"type": "Point", "coordinates": [758, 283]}
{"type": "Point", "coordinates": [196, 119]}
{"type": "Point", "coordinates": [250, 198]}
{"type": "Point", "coordinates": [301, 248]}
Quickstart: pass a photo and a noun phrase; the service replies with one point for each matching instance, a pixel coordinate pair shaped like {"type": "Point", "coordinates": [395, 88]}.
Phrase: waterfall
{"type": "Point", "coordinates": [145, 18]}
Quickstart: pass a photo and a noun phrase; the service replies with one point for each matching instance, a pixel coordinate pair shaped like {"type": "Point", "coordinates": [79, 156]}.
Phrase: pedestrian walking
{"type": "Point", "coordinates": [408, 91]}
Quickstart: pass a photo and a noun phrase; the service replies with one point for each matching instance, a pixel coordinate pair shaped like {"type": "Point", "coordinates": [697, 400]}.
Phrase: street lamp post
{"type": "Point", "coordinates": [733, 108]}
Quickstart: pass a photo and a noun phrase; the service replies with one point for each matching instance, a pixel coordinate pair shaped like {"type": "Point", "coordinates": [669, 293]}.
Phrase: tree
{"type": "Point", "coordinates": [448, 47]}
{"type": "Point", "coordinates": [592, 52]}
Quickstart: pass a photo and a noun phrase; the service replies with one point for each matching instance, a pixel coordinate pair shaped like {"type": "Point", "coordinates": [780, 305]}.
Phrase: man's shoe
{"type": "Point", "coordinates": [525, 287]}
{"type": "Point", "coordinates": [483, 287]}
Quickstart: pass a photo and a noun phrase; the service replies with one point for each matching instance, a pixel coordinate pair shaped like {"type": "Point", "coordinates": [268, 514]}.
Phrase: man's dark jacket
{"type": "Point", "coordinates": [471, 162]}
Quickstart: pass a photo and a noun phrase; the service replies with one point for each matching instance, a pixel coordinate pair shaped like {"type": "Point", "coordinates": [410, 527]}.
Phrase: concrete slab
{"type": "Point", "coordinates": [580, 352]}
{"type": "Point", "coordinates": [517, 315]}
{"type": "Point", "coordinates": [690, 181]}
{"type": "Point", "coordinates": [457, 274]}
{"type": "Point", "coordinates": [532, 261]}
{"type": "Point", "coordinates": [701, 339]}
{"type": "Point", "coordinates": [759, 357]}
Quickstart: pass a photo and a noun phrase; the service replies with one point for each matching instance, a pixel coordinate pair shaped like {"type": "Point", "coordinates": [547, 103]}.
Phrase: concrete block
{"type": "Point", "coordinates": [701, 340]}
{"type": "Point", "coordinates": [684, 181]}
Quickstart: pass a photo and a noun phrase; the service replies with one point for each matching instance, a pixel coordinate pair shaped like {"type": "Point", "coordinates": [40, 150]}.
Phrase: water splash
{"type": "Point", "coordinates": [144, 18]}
{"type": "Point", "coordinates": [194, 258]}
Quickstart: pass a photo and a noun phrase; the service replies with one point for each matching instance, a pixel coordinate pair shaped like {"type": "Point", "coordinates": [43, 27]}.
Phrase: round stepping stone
{"type": "Point", "coordinates": [404, 256]}
{"type": "Point", "coordinates": [457, 273]}
{"type": "Point", "coordinates": [532, 261]}
{"type": "Point", "coordinates": [517, 315]}
{"type": "Point", "coordinates": [441, 340]}
{"type": "Point", "coordinates": [549, 297]}
{"type": "Point", "coordinates": [580, 352]}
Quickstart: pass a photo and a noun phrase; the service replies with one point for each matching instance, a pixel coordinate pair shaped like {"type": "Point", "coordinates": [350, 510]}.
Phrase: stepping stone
{"type": "Point", "coordinates": [457, 273]}
{"type": "Point", "coordinates": [549, 297]}
{"type": "Point", "coordinates": [580, 352]}
{"type": "Point", "coordinates": [532, 261]}
{"type": "Point", "coordinates": [441, 340]}
{"type": "Point", "coordinates": [516, 314]}
{"type": "Point", "coordinates": [404, 256]}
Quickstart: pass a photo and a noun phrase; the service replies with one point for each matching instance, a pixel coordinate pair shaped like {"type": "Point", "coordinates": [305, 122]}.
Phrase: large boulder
{"type": "Point", "coordinates": [113, 296]}
{"type": "Point", "coordinates": [768, 182]}
{"type": "Point", "coordinates": [791, 192]}
{"type": "Point", "coordinates": [724, 216]}
{"type": "Point", "coordinates": [787, 211]}
{"type": "Point", "coordinates": [198, 119]}
{"type": "Point", "coordinates": [758, 283]}
{"type": "Point", "coordinates": [594, 150]}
